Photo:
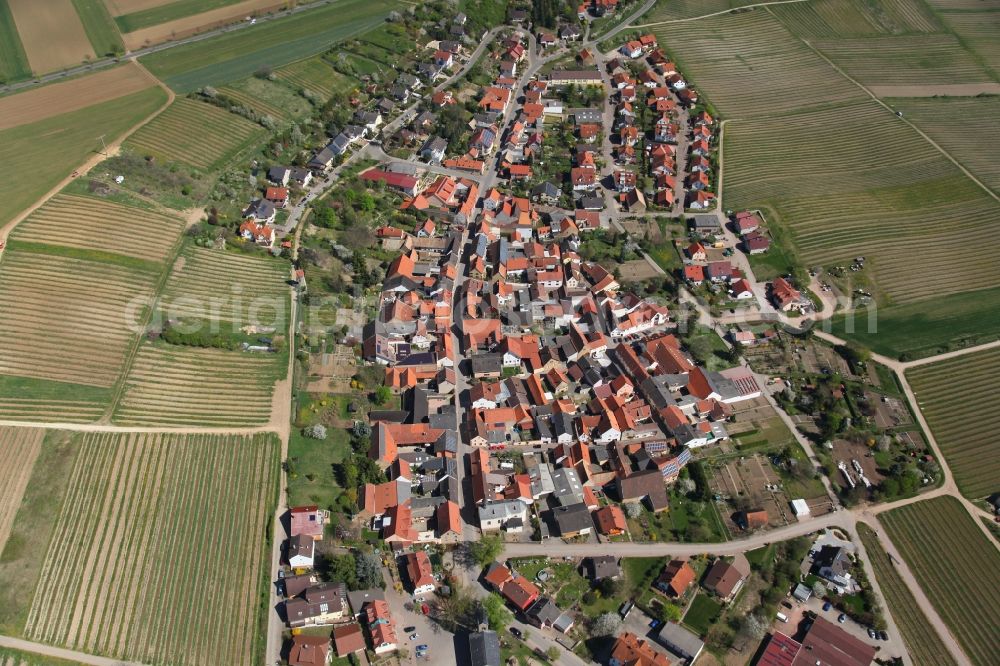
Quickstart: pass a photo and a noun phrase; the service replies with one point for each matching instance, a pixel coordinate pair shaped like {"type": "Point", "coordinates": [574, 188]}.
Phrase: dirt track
{"type": "Point", "coordinates": [189, 25]}
{"type": "Point", "coordinates": [57, 98]}
{"type": "Point", "coordinates": [953, 90]}
{"type": "Point", "coordinates": [51, 33]}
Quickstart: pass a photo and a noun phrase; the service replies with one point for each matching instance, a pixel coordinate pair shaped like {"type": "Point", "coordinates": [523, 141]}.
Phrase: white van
{"type": "Point", "coordinates": [782, 617]}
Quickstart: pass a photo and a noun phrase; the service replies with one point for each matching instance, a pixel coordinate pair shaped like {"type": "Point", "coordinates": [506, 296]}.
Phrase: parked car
{"type": "Point", "coordinates": [516, 632]}
{"type": "Point", "coordinates": [883, 636]}
{"type": "Point", "coordinates": [422, 647]}
{"type": "Point", "coordinates": [827, 606]}
{"type": "Point", "coordinates": [842, 618]}
{"type": "Point", "coordinates": [414, 637]}
{"type": "Point", "coordinates": [871, 633]}
{"type": "Point", "coordinates": [409, 629]}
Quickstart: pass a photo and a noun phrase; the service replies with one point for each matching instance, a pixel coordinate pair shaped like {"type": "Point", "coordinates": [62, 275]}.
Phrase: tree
{"type": "Point", "coordinates": [486, 550]}
{"type": "Point", "coordinates": [819, 589]}
{"type": "Point", "coordinates": [382, 395]}
{"type": "Point", "coordinates": [633, 509]}
{"type": "Point", "coordinates": [341, 568]}
{"type": "Point", "coordinates": [606, 624]}
{"type": "Point", "coordinates": [754, 626]}
{"type": "Point", "coordinates": [369, 571]}
{"type": "Point", "coordinates": [361, 429]}
{"type": "Point", "coordinates": [670, 613]}
{"type": "Point", "coordinates": [317, 431]}
{"type": "Point", "coordinates": [552, 653]}
{"type": "Point", "coordinates": [496, 612]}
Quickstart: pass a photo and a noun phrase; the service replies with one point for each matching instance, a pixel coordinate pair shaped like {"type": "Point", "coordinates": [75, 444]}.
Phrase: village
{"type": "Point", "coordinates": [535, 389]}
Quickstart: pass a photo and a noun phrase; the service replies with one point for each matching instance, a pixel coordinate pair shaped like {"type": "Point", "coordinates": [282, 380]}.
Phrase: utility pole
{"type": "Point", "coordinates": [103, 145]}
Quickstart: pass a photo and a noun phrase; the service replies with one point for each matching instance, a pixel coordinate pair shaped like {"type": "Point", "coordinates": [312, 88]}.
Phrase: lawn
{"type": "Point", "coordinates": [168, 12]}
{"type": "Point", "coordinates": [239, 54]}
{"type": "Point", "coordinates": [41, 154]}
{"type": "Point", "coordinates": [310, 467]}
{"type": "Point", "coordinates": [702, 613]}
{"type": "Point", "coordinates": [921, 638]}
{"type": "Point", "coordinates": [640, 571]}
{"type": "Point", "coordinates": [13, 60]}
{"type": "Point", "coordinates": [99, 26]}
{"type": "Point", "coordinates": [965, 429]}
{"type": "Point", "coordinates": [963, 583]}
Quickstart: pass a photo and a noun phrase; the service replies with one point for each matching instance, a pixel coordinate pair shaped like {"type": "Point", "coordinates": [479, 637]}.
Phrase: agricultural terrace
{"type": "Point", "coordinates": [19, 448]}
{"type": "Point", "coordinates": [39, 155]}
{"type": "Point", "coordinates": [815, 173]}
{"type": "Point", "coordinates": [214, 285]}
{"type": "Point", "coordinates": [239, 54]}
{"type": "Point", "coordinates": [962, 583]}
{"type": "Point", "coordinates": [95, 224]}
{"type": "Point", "coordinates": [51, 33]}
{"type": "Point", "coordinates": [966, 127]}
{"type": "Point", "coordinates": [964, 428]}
{"type": "Point", "coordinates": [126, 572]}
{"type": "Point", "coordinates": [195, 133]}
{"type": "Point", "coordinates": [189, 386]}
{"type": "Point", "coordinates": [922, 640]}
{"type": "Point", "coordinates": [819, 19]}
{"type": "Point", "coordinates": [68, 320]}
{"type": "Point", "coordinates": [749, 65]}
{"type": "Point", "coordinates": [317, 76]}
{"type": "Point", "coordinates": [100, 27]}
{"type": "Point", "coordinates": [13, 60]}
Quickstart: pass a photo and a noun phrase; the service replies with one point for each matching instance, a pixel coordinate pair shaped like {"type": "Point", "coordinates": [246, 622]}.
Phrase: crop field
{"type": "Point", "coordinates": [187, 386]}
{"type": "Point", "coordinates": [55, 99]}
{"type": "Point", "coordinates": [921, 639]}
{"type": "Point", "coordinates": [13, 61]}
{"type": "Point", "coordinates": [227, 287]}
{"type": "Point", "coordinates": [925, 328]}
{"type": "Point", "coordinates": [27, 399]}
{"type": "Point", "coordinates": [962, 583]}
{"type": "Point", "coordinates": [817, 174]}
{"type": "Point", "coordinates": [966, 127]}
{"type": "Point", "coordinates": [317, 76]}
{"type": "Point", "coordinates": [980, 30]}
{"type": "Point", "coordinates": [95, 224]}
{"type": "Point", "coordinates": [158, 553]}
{"type": "Point", "coordinates": [51, 34]}
{"type": "Point", "coordinates": [818, 19]}
{"type": "Point", "coordinates": [905, 60]}
{"type": "Point", "coordinates": [162, 12]}
{"type": "Point", "coordinates": [749, 65]}
{"type": "Point", "coordinates": [193, 24]}
{"type": "Point", "coordinates": [239, 54]}
{"type": "Point", "coordinates": [682, 9]}
{"type": "Point", "coordinates": [40, 154]}
{"type": "Point", "coordinates": [965, 429]}
{"type": "Point", "coordinates": [67, 320]}
{"type": "Point", "coordinates": [268, 98]}
{"type": "Point", "coordinates": [195, 133]}
{"type": "Point", "coordinates": [18, 449]}
{"type": "Point", "coordinates": [99, 26]}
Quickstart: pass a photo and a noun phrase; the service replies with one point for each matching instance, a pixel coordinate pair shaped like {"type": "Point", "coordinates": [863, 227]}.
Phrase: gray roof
{"type": "Point", "coordinates": [604, 566]}
{"type": "Point", "coordinates": [260, 209]}
{"type": "Point", "coordinates": [484, 648]}
{"type": "Point", "coordinates": [544, 610]}
{"type": "Point", "coordinates": [574, 518]}
{"type": "Point", "coordinates": [568, 489]}
{"type": "Point", "coordinates": [680, 641]}
{"type": "Point", "coordinates": [546, 189]}
{"type": "Point", "coordinates": [359, 598]}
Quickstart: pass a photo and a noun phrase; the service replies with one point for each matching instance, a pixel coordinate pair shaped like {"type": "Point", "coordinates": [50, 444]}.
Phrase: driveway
{"type": "Point", "coordinates": [441, 643]}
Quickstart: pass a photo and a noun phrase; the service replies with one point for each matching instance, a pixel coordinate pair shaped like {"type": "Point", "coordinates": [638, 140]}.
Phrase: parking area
{"type": "Point", "coordinates": [797, 614]}
{"type": "Point", "coordinates": [406, 612]}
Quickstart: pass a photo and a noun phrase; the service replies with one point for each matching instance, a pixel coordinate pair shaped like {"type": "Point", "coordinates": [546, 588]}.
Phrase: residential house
{"type": "Point", "coordinates": [675, 578]}
{"type": "Point", "coordinates": [309, 651]}
{"type": "Point", "coordinates": [630, 650]}
{"type": "Point", "coordinates": [725, 579]}
{"type": "Point", "coordinates": [610, 520]}
{"type": "Point", "coordinates": [419, 572]}
{"type": "Point", "coordinates": [348, 639]}
{"type": "Point", "coordinates": [301, 549]}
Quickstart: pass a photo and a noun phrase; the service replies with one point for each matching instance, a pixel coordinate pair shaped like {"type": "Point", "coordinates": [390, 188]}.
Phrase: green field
{"type": "Point", "coordinates": [316, 75]}
{"type": "Point", "coordinates": [922, 640]}
{"type": "Point", "coordinates": [271, 98]}
{"type": "Point", "coordinates": [702, 614]}
{"type": "Point", "coordinates": [144, 529]}
{"type": "Point", "coordinates": [30, 399]}
{"type": "Point", "coordinates": [964, 428]}
{"type": "Point", "coordinates": [99, 26]}
{"type": "Point", "coordinates": [966, 127]}
{"type": "Point", "coordinates": [11, 657]}
{"type": "Point", "coordinates": [239, 54]}
{"type": "Point", "coordinates": [168, 12]}
{"type": "Point", "coordinates": [13, 61]}
{"type": "Point", "coordinates": [41, 154]}
{"type": "Point", "coordinates": [963, 582]}
{"type": "Point", "coordinates": [197, 134]}
{"type": "Point", "coordinates": [926, 328]}
{"type": "Point", "coordinates": [818, 19]}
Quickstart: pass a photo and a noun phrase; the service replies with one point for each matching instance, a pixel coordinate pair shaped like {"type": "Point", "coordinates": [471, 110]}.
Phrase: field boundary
{"type": "Point", "coordinates": [718, 13]}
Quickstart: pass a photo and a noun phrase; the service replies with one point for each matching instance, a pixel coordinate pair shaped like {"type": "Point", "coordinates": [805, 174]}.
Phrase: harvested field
{"type": "Point", "coordinates": [122, 7]}
{"type": "Point", "coordinates": [37, 104]}
{"type": "Point", "coordinates": [239, 54]}
{"type": "Point", "coordinates": [136, 37]}
{"type": "Point", "coordinates": [816, 174]}
{"type": "Point", "coordinates": [183, 386]}
{"type": "Point", "coordinates": [67, 320]}
{"type": "Point", "coordinates": [52, 34]}
{"type": "Point", "coordinates": [160, 503]}
{"type": "Point", "coordinates": [315, 75]}
{"type": "Point", "coordinates": [96, 224]}
{"type": "Point", "coordinates": [818, 19]}
{"type": "Point", "coordinates": [962, 583]}
{"type": "Point", "coordinates": [18, 449]}
{"type": "Point", "coordinates": [220, 286]}
{"type": "Point", "coordinates": [905, 60]}
{"type": "Point", "coordinates": [921, 638]}
{"type": "Point", "coordinates": [749, 65]}
{"type": "Point", "coordinates": [965, 429]}
{"type": "Point", "coordinates": [966, 127]}
{"type": "Point", "coordinates": [195, 133]}
{"type": "Point", "coordinates": [13, 61]}
{"type": "Point", "coordinates": [39, 155]}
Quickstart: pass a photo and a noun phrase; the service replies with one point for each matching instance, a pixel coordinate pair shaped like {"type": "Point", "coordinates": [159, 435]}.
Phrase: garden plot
{"type": "Point", "coordinates": [159, 551]}
{"type": "Point", "coordinates": [68, 320]}
{"type": "Point", "coordinates": [94, 224]}
{"type": "Point", "coordinates": [184, 386]}
{"type": "Point", "coordinates": [751, 481]}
